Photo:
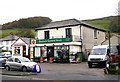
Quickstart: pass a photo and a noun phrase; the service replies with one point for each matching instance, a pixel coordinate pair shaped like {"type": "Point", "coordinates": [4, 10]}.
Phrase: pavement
{"type": "Point", "coordinates": [58, 71]}
{"type": "Point", "coordinates": [16, 73]}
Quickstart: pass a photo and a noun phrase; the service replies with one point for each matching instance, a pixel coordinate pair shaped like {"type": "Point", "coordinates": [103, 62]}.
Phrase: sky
{"type": "Point", "coordinates": [11, 10]}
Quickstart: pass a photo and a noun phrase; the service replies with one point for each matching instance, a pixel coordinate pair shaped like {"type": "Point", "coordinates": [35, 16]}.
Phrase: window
{"type": "Point", "coordinates": [16, 60]}
{"type": "Point", "coordinates": [43, 51]}
{"type": "Point", "coordinates": [61, 51]}
{"type": "Point", "coordinates": [10, 59]}
{"type": "Point", "coordinates": [68, 32]}
{"type": "Point", "coordinates": [1, 43]}
{"type": "Point", "coordinates": [46, 34]}
{"type": "Point", "coordinates": [7, 48]}
{"type": "Point", "coordinates": [95, 34]}
{"type": "Point", "coordinates": [7, 42]}
{"type": "Point", "coordinates": [17, 50]}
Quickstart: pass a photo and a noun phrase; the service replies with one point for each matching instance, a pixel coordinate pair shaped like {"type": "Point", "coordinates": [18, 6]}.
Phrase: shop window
{"type": "Point", "coordinates": [46, 34]}
{"type": "Point", "coordinates": [61, 51]}
{"type": "Point", "coordinates": [44, 51]}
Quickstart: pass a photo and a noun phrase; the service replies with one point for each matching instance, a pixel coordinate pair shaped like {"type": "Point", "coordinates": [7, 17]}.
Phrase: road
{"type": "Point", "coordinates": [57, 71]}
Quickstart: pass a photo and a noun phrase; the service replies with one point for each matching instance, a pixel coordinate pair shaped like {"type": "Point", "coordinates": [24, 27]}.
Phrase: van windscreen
{"type": "Point", "coordinates": [98, 51]}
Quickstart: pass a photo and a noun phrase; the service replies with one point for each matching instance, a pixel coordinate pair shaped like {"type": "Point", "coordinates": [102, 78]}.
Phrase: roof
{"type": "Point", "coordinates": [9, 38]}
{"type": "Point", "coordinates": [25, 40]}
{"type": "Point", "coordinates": [66, 23]}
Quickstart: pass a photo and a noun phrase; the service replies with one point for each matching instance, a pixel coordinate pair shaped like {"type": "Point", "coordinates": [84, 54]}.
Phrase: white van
{"type": "Point", "coordinates": [100, 54]}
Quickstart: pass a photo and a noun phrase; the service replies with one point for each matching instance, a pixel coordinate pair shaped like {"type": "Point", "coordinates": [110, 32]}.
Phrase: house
{"type": "Point", "coordinates": [21, 47]}
{"type": "Point", "coordinates": [114, 40]}
{"type": "Point", "coordinates": [5, 43]}
{"type": "Point", "coordinates": [69, 36]}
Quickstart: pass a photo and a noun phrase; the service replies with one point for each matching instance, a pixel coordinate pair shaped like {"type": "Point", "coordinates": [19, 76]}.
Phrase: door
{"type": "Point", "coordinates": [17, 64]}
{"type": "Point", "coordinates": [50, 52]}
{"type": "Point", "coordinates": [24, 51]}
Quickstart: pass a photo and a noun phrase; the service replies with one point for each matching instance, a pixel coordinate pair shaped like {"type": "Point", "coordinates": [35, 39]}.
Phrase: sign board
{"type": "Point", "coordinates": [37, 68]}
{"type": "Point", "coordinates": [33, 41]}
{"type": "Point", "coordinates": [53, 40]}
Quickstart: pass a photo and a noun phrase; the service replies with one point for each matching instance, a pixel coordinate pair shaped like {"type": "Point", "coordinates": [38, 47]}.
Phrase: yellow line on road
{"type": "Point", "coordinates": [39, 79]}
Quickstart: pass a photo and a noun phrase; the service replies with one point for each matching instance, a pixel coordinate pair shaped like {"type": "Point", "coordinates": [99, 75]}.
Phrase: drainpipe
{"type": "Point", "coordinates": [81, 37]}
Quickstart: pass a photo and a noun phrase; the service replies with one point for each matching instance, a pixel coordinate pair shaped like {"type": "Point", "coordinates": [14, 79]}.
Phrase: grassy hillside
{"type": "Point", "coordinates": [23, 27]}
{"type": "Point", "coordinates": [18, 32]}
{"type": "Point", "coordinates": [100, 22]}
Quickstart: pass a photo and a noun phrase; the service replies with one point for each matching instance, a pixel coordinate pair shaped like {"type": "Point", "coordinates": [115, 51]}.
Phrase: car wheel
{"type": "Point", "coordinates": [24, 69]}
{"type": "Point", "coordinates": [90, 65]}
{"type": "Point", "coordinates": [7, 68]}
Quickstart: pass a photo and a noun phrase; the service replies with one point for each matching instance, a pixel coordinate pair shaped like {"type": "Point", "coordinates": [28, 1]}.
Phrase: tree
{"type": "Point", "coordinates": [115, 24]}
{"type": "Point", "coordinates": [26, 33]}
{"type": "Point", "coordinates": [31, 22]}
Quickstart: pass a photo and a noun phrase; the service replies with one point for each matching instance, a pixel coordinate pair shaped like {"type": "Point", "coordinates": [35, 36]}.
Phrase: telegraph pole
{"type": "Point", "coordinates": [109, 40]}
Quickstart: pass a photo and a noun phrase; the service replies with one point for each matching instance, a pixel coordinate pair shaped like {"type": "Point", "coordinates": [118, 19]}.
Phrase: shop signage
{"type": "Point", "coordinates": [33, 41]}
{"type": "Point", "coordinates": [53, 40]}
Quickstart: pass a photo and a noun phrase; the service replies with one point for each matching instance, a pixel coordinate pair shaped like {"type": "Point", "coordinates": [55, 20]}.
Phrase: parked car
{"type": "Point", "coordinates": [21, 63]}
{"type": "Point", "coordinates": [6, 54]}
{"type": "Point", "coordinates": [3, 59]}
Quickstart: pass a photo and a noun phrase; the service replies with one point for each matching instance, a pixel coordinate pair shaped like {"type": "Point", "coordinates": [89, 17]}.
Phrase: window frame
{"type": "Point", "coordinates": [95, 34]}
{"type": "Point", "coordinates": [46, 34]}
{"type": "Point", "coordinates": [68, 32]}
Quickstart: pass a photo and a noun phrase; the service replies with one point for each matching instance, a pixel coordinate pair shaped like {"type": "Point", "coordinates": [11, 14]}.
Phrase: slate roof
{"type": "Point", "coordinates": [9, 38]}
{"type": "Point", "coordinates": [63, 23]}
{"type": "Point", "coordinates": [27, 40]}
{"type": "Point", "coordinates": [66, 23]}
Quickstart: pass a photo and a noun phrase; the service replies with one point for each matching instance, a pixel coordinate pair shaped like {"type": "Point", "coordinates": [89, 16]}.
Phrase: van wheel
{"type": "Point", "coordinates": [90, 65]}
{"type": "Point", "coordinates": [104, 64]}
{"type": "Point", "coordinates": [7, 68]}
{"type": "Point", "coordinates": [24, 69]}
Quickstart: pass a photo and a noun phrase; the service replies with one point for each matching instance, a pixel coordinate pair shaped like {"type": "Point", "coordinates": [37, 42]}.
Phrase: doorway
{"type": "Point", "coordinates": [24, 51]}
{"type": "Point", "coordinates": [50, 52]}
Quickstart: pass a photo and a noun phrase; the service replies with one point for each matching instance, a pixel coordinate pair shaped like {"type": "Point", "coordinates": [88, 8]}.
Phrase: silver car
{"type": "Point", "coordinates": [20, 63]}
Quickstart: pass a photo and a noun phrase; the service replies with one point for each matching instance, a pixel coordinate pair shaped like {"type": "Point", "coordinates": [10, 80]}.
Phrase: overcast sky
{"type": "Point", "coordinates": [56, 10]}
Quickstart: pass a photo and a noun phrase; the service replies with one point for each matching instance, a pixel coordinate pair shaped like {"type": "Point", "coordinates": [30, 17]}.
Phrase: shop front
{"type": "Point", "coordinates": [59, 49]}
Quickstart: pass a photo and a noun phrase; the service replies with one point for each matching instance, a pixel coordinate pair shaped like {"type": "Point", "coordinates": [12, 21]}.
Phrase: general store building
{"type": "Point", "coordinates": [71, 36]}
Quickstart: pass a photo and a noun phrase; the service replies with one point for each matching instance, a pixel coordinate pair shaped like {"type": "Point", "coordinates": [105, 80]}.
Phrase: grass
{"type": "Point", "coordinates": [100, 23]}
{"type": "Point", "coordinates": [15, 31]}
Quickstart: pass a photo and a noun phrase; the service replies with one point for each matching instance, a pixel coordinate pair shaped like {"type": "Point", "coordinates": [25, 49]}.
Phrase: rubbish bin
{"type": "Point", "coordinates": [80, 55]}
